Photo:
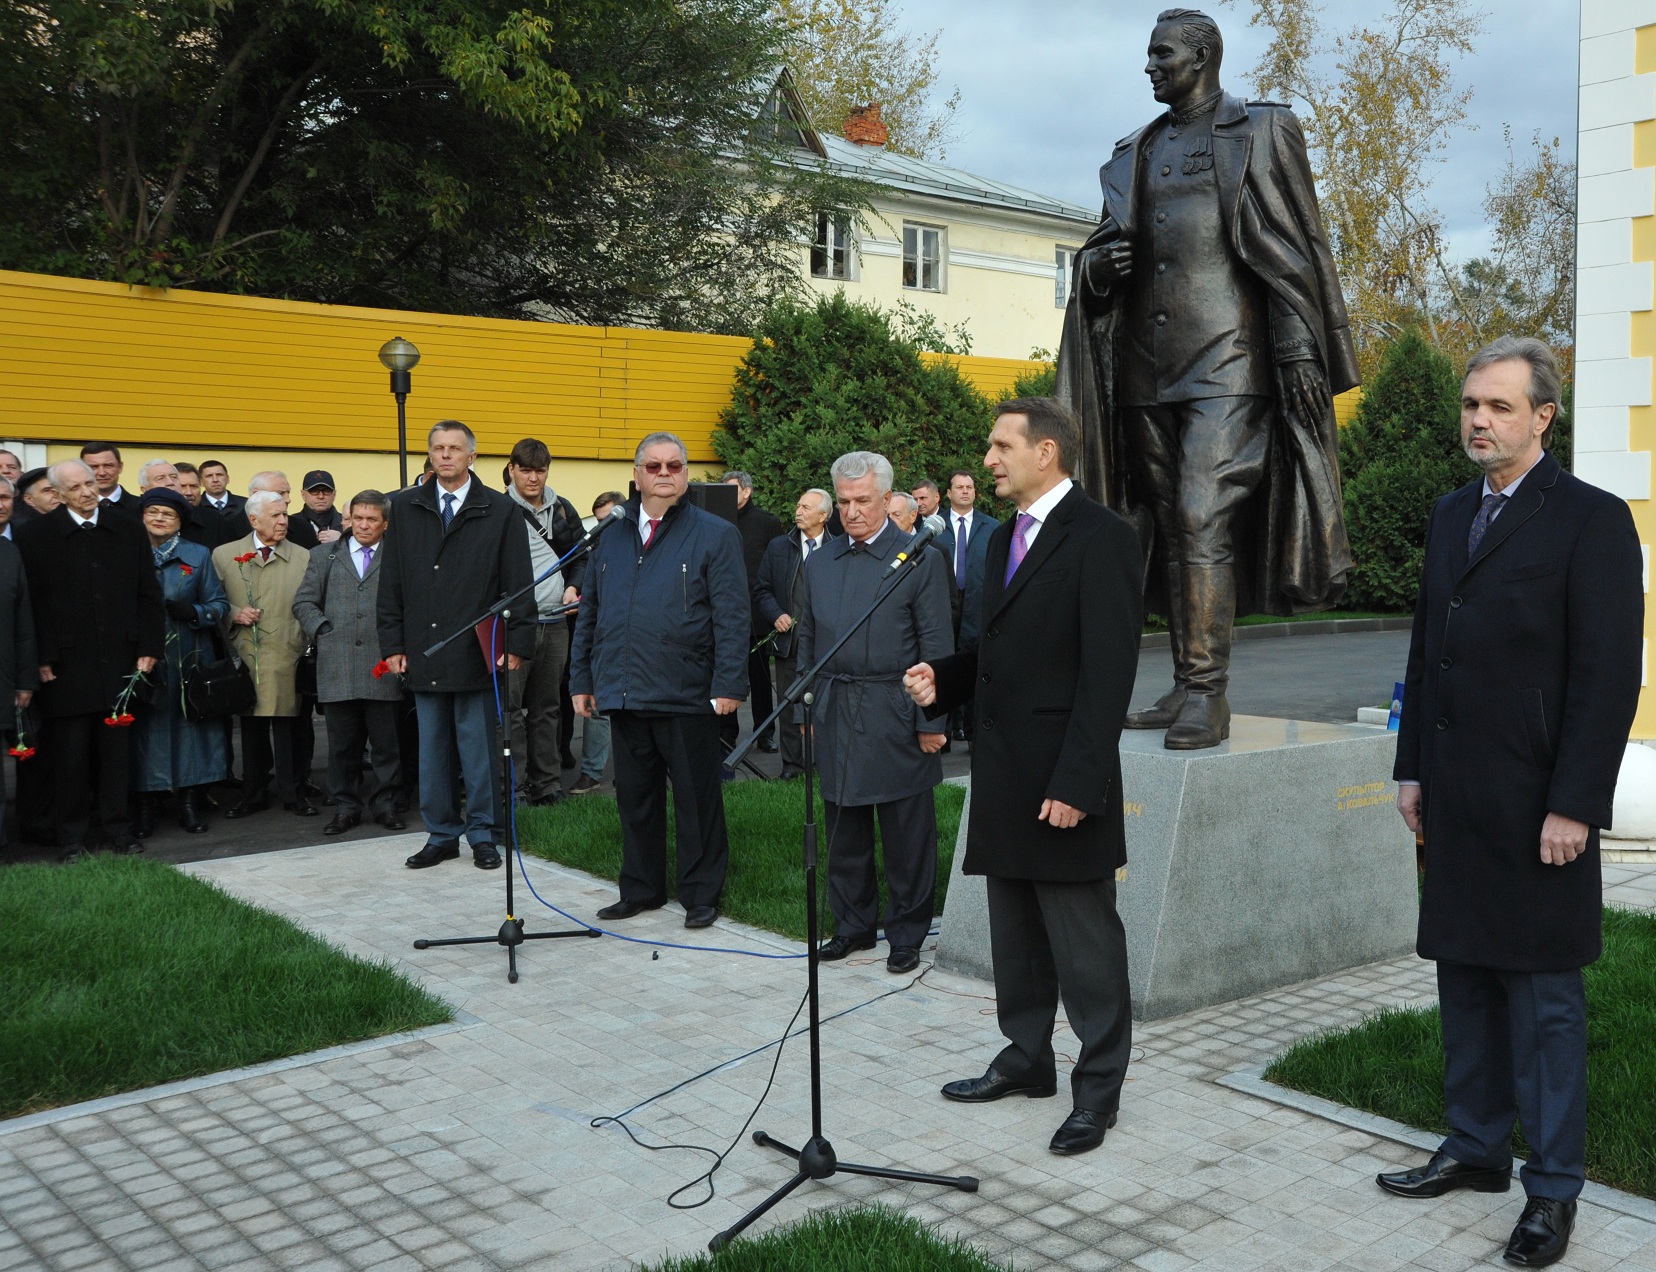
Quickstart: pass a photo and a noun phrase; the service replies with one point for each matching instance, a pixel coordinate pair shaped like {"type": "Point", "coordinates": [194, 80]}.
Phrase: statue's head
{"type": "Point", "coordinates": [1185, 52]}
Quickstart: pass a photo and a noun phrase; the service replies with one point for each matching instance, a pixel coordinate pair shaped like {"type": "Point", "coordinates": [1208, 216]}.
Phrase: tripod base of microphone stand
{"type": "Point", "coordinates": [511, 935]}
{"type": "Point", "coordinates": [817, 1161]}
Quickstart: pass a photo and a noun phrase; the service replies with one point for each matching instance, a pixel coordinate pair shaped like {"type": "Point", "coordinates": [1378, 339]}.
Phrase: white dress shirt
{"type": "Point", "coordinates": [356, 556]}
{"type": "Point", "coordinates": [80, 520]}
{"type": "Point", "coordinates": [459, 495]}
{"type": "Point", "coordinates": [1042, 508]}
{"type": "Point", "coordinates": [805, 544]}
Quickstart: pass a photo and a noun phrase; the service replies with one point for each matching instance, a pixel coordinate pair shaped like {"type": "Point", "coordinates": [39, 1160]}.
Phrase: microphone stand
{"type": "Point", "coordinates": [816, 1159]}
{"type": "Point", "coordinates": [511, 933]}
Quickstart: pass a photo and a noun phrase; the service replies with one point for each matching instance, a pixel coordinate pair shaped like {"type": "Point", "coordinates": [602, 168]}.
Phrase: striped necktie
{"type": "Point", "coordinates": [1480, 523]}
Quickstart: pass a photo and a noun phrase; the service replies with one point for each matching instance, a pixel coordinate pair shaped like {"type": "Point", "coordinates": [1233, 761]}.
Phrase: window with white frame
{"type": "Point", "coordinates": [1063, 270]}
{"type": "Point", "coordinates": [923, 257]}
{"type": "Point", "coordinates": [831, 248]}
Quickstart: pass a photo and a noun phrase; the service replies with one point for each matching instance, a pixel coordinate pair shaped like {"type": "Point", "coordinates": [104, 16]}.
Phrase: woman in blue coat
{"type": "Point", "coordinates": [171, 752]}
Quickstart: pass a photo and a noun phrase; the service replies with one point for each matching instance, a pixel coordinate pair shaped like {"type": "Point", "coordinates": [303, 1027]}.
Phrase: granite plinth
{"type": "Point", "coordinates": [1275, 857]}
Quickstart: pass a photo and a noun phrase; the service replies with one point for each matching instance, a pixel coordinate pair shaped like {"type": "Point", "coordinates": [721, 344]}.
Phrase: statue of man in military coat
{"type": "Point", "coordinates": [1203, 344]}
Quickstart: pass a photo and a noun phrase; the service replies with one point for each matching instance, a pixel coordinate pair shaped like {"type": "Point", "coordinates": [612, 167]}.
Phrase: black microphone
{"type": "Point", "coordinates": [932, 526]}
{"type": "Point", "coordinates": [617, 513]}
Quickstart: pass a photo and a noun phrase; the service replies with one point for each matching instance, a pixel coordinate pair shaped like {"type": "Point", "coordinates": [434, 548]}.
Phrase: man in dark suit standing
{"type": "Point", "coordinates": [966, 544]}
{"type": "Point", "coordinates": [1523, 679]}
{"type": "Point", "coordinates": [217, 496]}
{"type": "Point", "coordinates": [19, 662]}
{"type": "Point", "coordinates": [104, 459]}
{"type": "Point", "coordinates": [98, 617]}
{"type": "Point", "coordinates": [1051, 679]}
{"type": "Point", "coordinates": [780, 595]}
{"type": "Point", "coordinates": [454, 548]}
{"type": "Point", "coordinates": [758, 528]}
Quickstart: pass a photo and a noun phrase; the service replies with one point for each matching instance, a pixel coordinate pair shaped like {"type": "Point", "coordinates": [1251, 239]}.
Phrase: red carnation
{"type": "Point", "coordinates": [21, 753]}
{"type": "Point", "coordinates": [125, 718]}
{"type": "Point", "coordinates": [112, 721]}
{"type": "Point", "coordinates": [185, 570]}
{"type": "Point", "coordinates": [245, 557]}
{"type": "Point", "coordinates": [380, 668]}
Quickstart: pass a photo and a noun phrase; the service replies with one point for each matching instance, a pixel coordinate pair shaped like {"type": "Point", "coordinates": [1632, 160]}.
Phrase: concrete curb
{"type": "Point", "coordinates": [184, 1086]}
{"type": "Point", "coordinates": [1252, 1082]}
{"type": "Point", "coordinates": [1310, 627]}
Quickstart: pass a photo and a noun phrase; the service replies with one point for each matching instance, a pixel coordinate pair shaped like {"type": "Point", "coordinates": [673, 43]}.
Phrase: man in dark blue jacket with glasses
{"type": "Point", "coordinates": [661, 648]}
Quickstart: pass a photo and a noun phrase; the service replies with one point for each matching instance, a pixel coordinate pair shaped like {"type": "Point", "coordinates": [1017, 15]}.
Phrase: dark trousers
{"type": "Point", "coordinates": [908, 833]}
{"type": "Point", "coordinates": [1515, 1047]}
{"type": "Point", "coordinates": [267, 740]}
{"type": "Point", "coordinates": [566, 709]}
{"type": "Point", "coordinates": [87, 751]}
{"type": "Point", "coordinates": [789, 735]}
{"type": "Point", "coordinates": [761, 701]}
{"type": "Point", "coordinates": [408, 750]}
{"type": "Point", "coordinates": [459, 738]}
{"type": "Point", "coordinates": [304, 738]}
{"type": "Point", "coordinates": [351, 726]}
{"type": "Point", "coordinates": [534, 706]}
{"type": "Point", "coordinates": [650, 751]}
{"type": "Point", "coordinates": [1052, 940]}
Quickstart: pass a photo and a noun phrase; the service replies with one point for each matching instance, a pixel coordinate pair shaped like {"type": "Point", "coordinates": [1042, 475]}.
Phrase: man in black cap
{"type": "Point", "coordinates": [319, 510]}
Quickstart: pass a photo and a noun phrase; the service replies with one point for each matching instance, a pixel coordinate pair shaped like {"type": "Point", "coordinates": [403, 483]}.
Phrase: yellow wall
{"type": "Point", "coordinates": [1642, 344]}
{"type": "Point", "coordinates": [280, 384]}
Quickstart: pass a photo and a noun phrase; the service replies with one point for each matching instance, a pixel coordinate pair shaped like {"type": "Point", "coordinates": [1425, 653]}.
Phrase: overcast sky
{"type": "Point", "coordinates": [1046, 88]}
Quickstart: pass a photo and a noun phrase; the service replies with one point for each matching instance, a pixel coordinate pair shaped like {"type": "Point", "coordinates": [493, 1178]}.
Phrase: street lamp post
{"type": "Point", "coordinates": [400, 358]}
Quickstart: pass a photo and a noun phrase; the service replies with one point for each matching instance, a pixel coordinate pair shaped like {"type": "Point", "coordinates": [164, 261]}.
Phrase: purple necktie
{"type": "Point", "coordinates": [367, 557]}
{"type": "Point", "coordinates": [1020, 546]}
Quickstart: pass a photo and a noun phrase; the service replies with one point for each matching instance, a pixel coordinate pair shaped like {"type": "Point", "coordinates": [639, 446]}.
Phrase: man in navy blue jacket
{"type": "Point", "coordinates": [1523, 678]}
{"type": "Point", "coordinates": [661, 648]}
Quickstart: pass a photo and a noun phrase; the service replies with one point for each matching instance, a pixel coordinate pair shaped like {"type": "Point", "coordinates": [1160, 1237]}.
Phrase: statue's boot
{"type": "Point", "coordinates": [1166, 708]}
{"type": "Point", "coordinates": [1210, 609]}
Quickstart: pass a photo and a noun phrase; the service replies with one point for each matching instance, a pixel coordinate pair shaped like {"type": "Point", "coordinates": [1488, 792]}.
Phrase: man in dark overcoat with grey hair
{"type": "Point", "coordinates": [877, 751]}
{"type": "Point", "coordinates": [1523, 678]}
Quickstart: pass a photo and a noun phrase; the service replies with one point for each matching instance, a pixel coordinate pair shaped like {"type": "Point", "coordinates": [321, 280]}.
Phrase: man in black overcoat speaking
{"type": "Point", "coordinates": [1523, 678]}
{"type": "Point", "coordinates": [1051, 677]}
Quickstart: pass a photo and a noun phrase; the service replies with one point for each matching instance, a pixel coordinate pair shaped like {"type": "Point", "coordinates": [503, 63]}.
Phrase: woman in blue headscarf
{"type": "Point", "coordinates": [173, 753]}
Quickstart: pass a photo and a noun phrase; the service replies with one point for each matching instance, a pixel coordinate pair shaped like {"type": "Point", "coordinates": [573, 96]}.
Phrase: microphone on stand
{"type": "Point", "coordinates": [618, 513]}
{"type": "Point", "coordinates": [931, 527]}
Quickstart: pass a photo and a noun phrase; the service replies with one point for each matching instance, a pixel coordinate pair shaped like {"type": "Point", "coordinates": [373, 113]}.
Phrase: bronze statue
{"type": "Point", "coordinates": [1203, 343]}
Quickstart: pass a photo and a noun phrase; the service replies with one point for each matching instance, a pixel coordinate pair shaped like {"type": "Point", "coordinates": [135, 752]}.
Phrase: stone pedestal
{"type": "Point", "coordinates": [1275, 857]}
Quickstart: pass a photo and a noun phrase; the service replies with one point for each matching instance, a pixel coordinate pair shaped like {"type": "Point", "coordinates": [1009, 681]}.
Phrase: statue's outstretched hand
{"type": "Point", "coordinates": [1305, 390]}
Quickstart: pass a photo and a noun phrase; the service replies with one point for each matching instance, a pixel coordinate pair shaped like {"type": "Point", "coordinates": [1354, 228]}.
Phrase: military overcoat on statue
{"type": "Point", "coordinates": [1292, 554]}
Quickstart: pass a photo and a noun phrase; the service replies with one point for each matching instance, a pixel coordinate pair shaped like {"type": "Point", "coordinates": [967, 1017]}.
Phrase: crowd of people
{"type": "Point", "coordinates": [294, 595]}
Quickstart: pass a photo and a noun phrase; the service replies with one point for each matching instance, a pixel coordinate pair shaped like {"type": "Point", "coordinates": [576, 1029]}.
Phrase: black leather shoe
{"type": "Point", "coordinates": [485, 857]}
{"type": "Point", "coordinates": [903, 958]}
{"type": "Point", "coordinates": [310, 790]}
{"type": "Point", "coordinates": [626, 909]}
{"type": "Point", "coordinates": [124, 845]}
{"type": "Point", "coordinates": [1444, 1174]}
{"type": "Point", "coordinates": [995, 1085]}
{"type": "Point", "coordinates": [143, 816]}
{"type": "Point", "coordinates": [341, 823]}
{"type": "Point", "coordinates": [301, 807]}
{"type": "Point", "coordinates": [836, 948]}
{"type": "Point", "coordinates": [431, 854]}
{"type": "Point", "coordinates": [391, 821]}
{"type": "Point", "coordinates": [700, 916]}
{"type": "Point", "coordinates": [189, 812]}
{"type": "Point", "coordinates": [246, 808]}
{"type": "Point", "coordinates": [767, 745]}
{"type": "Point", "coordinates": [1543, 1234]}
{"type": "Point", "coordinates": [1082, 1131]}
{"type": "Point", "coordinates": [74, 853]}
{"type": "Point", "coordinates": [551, 799]}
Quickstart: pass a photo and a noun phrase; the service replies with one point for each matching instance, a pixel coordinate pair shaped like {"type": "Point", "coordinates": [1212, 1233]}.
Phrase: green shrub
{"type": "Point", "coordinates": [1398, 457]}
{"type": "Point", "coordinates": [834, 377]}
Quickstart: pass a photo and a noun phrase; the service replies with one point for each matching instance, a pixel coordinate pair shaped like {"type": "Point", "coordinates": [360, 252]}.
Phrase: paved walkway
{"type": "Point", "coordinates": [472, 1148]}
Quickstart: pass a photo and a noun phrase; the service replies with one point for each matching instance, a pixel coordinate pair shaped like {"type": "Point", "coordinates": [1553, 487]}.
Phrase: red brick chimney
{"type": "Point", "coordinates": [864, 126]}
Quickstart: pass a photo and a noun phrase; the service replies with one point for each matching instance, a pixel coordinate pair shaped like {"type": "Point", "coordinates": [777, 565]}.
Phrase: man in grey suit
{"type": "Point", "coordinates": [336, 607]}
{"type": "Point", "coordinates": [876, 749]}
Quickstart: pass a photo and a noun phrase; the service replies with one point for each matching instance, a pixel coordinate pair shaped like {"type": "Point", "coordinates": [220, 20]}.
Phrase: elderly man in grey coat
{"type": "Point", "coordinates": [337, 608]}
{"type": "Point", "coordinates": [877, 751]}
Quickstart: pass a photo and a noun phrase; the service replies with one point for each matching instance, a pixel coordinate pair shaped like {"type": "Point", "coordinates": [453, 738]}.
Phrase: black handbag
{"type": "Point", "coordinates": [222, 687]}
{"type": "Point", "coordinates": [304, 675]}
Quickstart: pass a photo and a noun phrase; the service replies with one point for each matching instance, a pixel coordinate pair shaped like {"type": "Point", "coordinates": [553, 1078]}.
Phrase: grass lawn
{"type": "Point", "coordinates": [765, 882]}
{"type": "Point", "coordinates": [1392, 1063]}
{"type": "Point", "coordinates": [864, 1239]}
{"type": "Point", "coordinates": [1156, 623]}
{"type": "Point", "coordinates": [118, 973]}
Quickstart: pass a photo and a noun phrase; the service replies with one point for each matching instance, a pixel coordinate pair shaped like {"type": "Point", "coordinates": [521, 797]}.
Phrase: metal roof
{"type": "Point", "coordinates": [882, 167]}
